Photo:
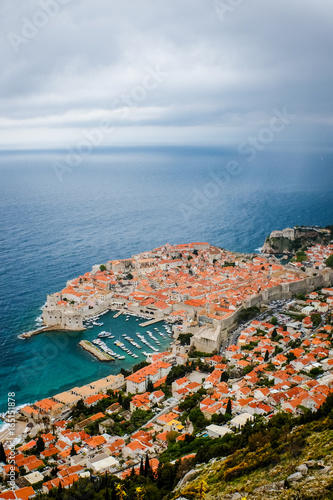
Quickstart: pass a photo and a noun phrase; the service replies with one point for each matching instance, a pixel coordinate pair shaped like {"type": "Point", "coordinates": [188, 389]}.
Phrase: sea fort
{"type": "Point", "coordinates": [199, 288]}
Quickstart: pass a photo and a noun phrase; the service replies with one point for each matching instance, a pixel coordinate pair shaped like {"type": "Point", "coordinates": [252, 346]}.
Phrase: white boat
{"type": "Point", "coordinates": [103, 334]}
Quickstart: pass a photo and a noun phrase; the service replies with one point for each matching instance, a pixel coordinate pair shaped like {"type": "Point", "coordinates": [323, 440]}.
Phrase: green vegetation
{"type": "Point", "coordinates": [301, 256]}
{"type": "Point", "coordinates": [40, 444]}
{"type": "Point", "coordinates": [314, 372]}
{"type": "Point", "coordinates": [2, 454]}
{"type": "Point", "coordinates": [185, 338]}
{"type": "Point", "coordinates": [250, 346]}
{"type": "Point", "coordinates": [200, 354]}
{"type": "Point", "coordinates": [102, 267]}
{"type": "Point", "coordinates": [249, 313]}
{"type": "Point", "coordinates": [329, 261]}
{"type": "Point", "coordinates": [274, 320]}
{"type": "Point", "coordinates": [316, 319]}
{"type": "Point", "coordinates": [179, 371]}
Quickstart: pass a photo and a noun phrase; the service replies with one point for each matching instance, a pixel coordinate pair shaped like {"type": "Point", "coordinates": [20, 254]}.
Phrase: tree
{"type": "Point", "coordinates": [40, 445]}
{"type": "Point", "coordinates": [274, 321]}
{"type": "Point", "coordinates": [73, 451]}
{"type": "Point", "coordinates": [316, 319]}
{"type": "Point", "coordinates": [147, 466]}
{"type": "Point", "coordinates": [54, 471]}
{"type": "Point", "coordinates": [150, 386]}
{"type": "Point", "coordinates": [141, 472]}
{"type": "Point", "coordinates": [102, 267]}
{"type": "Point", "coordinates": [228, 410]}
{"type": "Point", "coordinates": [329, 261]}
{"type": "Point", "coordinates": [266, 356]}
{"type": "Point", "coordinates": [2, 454]}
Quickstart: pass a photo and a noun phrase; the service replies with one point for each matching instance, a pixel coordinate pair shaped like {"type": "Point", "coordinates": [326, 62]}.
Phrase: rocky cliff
{"type": "Point", "coordinates": [289, 241]}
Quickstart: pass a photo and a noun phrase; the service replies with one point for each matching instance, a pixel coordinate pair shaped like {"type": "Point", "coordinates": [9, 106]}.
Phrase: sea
{"type": "Point", "coordinates": [62, 212]}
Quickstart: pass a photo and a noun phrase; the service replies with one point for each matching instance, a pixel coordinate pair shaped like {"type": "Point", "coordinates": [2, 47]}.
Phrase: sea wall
{"type": "Point", "coordinates": [281, 292]}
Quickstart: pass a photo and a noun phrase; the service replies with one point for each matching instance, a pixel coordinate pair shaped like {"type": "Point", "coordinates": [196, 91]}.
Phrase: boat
{"type": "Point", "coordinates": [103, 334]}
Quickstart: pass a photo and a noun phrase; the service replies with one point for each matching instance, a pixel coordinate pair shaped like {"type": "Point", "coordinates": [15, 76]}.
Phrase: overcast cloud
{"type": "Point", "coordinates": [163, 72]}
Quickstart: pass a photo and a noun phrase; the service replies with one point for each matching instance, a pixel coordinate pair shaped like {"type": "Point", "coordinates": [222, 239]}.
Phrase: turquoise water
{"type": "Point", "coordinates": [44, 367]}
{"type": "Point", "coordinates": [116, 204]}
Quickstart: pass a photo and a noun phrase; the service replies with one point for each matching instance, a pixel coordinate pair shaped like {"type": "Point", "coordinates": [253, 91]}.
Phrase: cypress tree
{"type": "Point", "coordinates": [2, 454]}
{"type": "Point", "coordinates": [73, 452]}
{"type": "Point", "coordinates": [147, 465]}
{"type": "Point", "coordinates": [266, 356]}
{"type": "Point", "coordinates": [141, 467]}
{"type": "Point", "coordinates": [228, 410]}
{"type": "Point", "coordinates": [40, 445]}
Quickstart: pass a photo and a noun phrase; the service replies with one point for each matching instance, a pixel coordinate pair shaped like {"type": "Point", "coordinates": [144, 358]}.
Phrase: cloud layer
{"type": "Point", "coordinates": [182, 71]}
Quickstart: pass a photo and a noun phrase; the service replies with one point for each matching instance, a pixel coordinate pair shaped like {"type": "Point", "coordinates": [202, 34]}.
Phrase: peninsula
{"type": "Point", "coordinates": [203, 290]}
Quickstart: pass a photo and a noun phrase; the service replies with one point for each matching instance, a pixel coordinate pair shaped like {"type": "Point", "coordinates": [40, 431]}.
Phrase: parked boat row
{"type": "Point", "coordinates": [122, 346]}
{"type": "Point", "coordinates": [131, 341]}
{"type": "Point", "coordinates": [160, 333]}
{"type": "Point", "coordinates": [153, 338]}
{"type": "Point", "coordinates": [102, 345]}
{"type": "Point", "coordinates": [144, 341]}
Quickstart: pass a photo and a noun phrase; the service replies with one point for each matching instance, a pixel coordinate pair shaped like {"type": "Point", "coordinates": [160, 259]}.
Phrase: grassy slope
{"type": "Point", "coordinates": [318, 445]}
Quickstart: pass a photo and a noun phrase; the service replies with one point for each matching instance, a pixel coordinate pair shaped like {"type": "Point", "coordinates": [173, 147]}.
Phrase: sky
{"type": "Point", "coordinates": [149, 72]}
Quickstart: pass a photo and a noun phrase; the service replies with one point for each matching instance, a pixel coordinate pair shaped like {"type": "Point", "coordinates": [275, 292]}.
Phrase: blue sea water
{"type": "Point", "coordinates": [123, 201]}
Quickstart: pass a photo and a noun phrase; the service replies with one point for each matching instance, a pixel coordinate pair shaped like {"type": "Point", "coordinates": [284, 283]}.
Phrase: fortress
{"type": "Point", "coordinates": [200, 288]}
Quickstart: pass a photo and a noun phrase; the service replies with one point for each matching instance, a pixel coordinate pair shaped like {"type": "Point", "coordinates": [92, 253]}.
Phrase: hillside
{"type": "Point", "coordinates": [289, 463]}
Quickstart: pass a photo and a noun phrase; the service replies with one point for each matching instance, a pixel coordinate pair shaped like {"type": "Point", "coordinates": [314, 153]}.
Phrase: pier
{"type": "Point", "coordinates": [28, 335]}
{"type": "Point", "coordinates": [151, 322]}
{"type": "Point", "coordinates": [95, 351]}
{"type": "Point", "coordinates": [118, 314]}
